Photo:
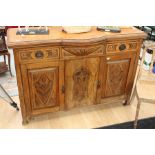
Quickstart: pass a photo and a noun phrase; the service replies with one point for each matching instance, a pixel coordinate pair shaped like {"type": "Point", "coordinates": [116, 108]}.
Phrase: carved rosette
{"type": "Point", "coordinates": [81, 80]}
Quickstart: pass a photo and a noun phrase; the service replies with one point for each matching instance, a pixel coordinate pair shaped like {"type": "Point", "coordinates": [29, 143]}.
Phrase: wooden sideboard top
{"type": "Point", "coordinates": [57, 36]}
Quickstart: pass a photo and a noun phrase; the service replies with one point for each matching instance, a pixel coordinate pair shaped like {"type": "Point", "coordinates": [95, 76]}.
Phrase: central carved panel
{"type": "Point", "coordinates": [80, 82]}
{"type": "Point", "coordinates": [81, 79]}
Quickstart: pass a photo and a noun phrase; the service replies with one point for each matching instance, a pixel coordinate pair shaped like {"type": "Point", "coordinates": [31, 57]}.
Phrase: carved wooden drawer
{"type": "Point", "coordinates": [37, 54]}
{"type": "Point", "coordinates": [69, 52]}
{"type": "Point", "coordinates": [122, 46]}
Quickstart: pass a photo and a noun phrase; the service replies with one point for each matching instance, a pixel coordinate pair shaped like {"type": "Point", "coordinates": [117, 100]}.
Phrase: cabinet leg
{"type": "Point", "coordinates": [126, 102]}
{"type": "Point", "coordinates": [25, 121]}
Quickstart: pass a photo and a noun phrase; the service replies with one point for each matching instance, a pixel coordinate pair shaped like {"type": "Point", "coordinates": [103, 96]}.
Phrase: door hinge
{"type": "Point", "coordinates": [63, 89]}
{"type": "Point", "coordinates": [98, 84]}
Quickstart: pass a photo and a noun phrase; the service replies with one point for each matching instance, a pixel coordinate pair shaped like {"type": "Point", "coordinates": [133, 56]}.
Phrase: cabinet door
{"type": "Point", "coordinates": [117, 75]}
{"type": "Point", "coordinates": [81, 78]}
{"type": "Point", "coordinates": [43, 87]}
{"type": "Point", "coordinates": [43, 83]}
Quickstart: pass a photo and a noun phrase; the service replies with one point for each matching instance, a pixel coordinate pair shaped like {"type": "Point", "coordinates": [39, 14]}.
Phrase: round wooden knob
{"type": "Point", "coordinates": [39, 54]}
{"type": "Point", "coordinates": [108, 58]}
{"type": "Point", "coordinates": [122, 47]}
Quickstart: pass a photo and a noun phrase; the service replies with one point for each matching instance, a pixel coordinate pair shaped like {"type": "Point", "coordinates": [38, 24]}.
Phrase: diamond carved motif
{"type": "Point", "coordinates": [43, 86]}
{"type": "Point", "coordinates": [116, 77]}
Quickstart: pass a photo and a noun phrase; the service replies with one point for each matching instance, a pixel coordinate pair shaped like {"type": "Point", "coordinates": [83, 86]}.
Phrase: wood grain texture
{"type": "Point", "coordinates": [81, 82]}
{"type": "Point", "coordinates": [61, 71]}
{"type": "Point", "coordinates": [84, 51]}
{"type": "Point", "coordinates": [78, 118]}
{"type": "Point", "coordinates": [117, 72]}
{"type": "Point", "coordinates": [30, 55]}
{"type": "Point", "coordinates": [43, 87]}
{"type": "Point", "coordinates": [56, 36]}
{"type": "Point", "coordinates": [114, 46]}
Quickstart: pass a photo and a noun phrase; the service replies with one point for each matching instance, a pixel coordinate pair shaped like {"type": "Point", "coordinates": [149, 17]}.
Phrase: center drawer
{"type": "Point", "coordinates": [82, 51]}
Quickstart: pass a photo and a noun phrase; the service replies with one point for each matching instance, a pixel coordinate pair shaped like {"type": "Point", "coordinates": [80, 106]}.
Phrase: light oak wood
{"type": "Point", "coordinates": [60, 71]}
{"type": "Point", "coordinates": [78, 118]}
{"type": "Point", "coordinates": [81, 77]}
{"type": "Point", "coordinates": [56, 36]}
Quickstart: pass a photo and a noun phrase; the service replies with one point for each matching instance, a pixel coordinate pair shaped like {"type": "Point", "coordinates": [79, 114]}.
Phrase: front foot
{"type": "Point", "coordinates": [125, 102]}
{"type": "Point", "coordinates": [25, 121]}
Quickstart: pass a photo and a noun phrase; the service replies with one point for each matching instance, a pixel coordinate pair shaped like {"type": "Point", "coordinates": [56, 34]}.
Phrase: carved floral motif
{"type": "Point", "coordinates": [81, 79]}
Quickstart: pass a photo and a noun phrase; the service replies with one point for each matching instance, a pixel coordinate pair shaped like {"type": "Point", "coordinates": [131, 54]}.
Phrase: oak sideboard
{"type": "Point", "coordinates": [60, 71]}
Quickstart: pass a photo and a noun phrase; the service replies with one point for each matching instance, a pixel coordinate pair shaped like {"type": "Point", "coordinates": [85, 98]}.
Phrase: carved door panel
{"type": "Point", "coordinates": [43, 84]}
{"type": "Point", "coordinates": [81, 81]}
{"type": "Point", "coordinates": [43, 87]}
{"type": "Point", "coordinates": [118, 75]}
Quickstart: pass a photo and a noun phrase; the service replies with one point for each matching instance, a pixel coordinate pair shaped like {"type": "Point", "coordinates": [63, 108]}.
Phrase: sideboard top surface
{"type": "Point", "coordinates": [57, 36]}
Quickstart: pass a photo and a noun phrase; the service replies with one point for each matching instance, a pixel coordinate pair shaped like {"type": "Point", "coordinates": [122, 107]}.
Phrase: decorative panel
{"type": "Point", "coordinates": [117, 73]}
{"type": "Point", "coordinates": [133, 45]}
{"type": "Point", "coordinates": [43, 87]}
{"type": "Point", "coordinates": [26, 55]}
{"type": "Point", "coordinates": [81, 81]}
{"type": "Point", "coordinates": [81, 78]}
{"type": "Point", "coordinates": [83, 51]}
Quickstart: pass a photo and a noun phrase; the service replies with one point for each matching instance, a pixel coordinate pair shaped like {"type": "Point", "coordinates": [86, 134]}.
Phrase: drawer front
{"type": "Point", "coordinates": [37, 54]}
{"type": "Point", "coordinates": [71, 52]}
{"type": "Point", "coordinates": [122, 46]}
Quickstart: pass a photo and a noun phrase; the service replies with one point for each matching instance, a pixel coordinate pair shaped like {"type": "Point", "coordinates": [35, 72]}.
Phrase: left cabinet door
{"type": "Point", "coordinates": [43, 83]}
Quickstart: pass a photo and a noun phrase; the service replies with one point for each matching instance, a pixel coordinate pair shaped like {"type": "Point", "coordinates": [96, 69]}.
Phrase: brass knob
{"type": "Point", "coordinates": [122, 47]}
{"type": "Point", "coordinates": [39, 54]}
{"type": "Point", "coordinates": [108, 58]}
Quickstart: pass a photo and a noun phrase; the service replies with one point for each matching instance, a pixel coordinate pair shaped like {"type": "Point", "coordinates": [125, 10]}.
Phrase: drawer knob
{"type": "Point", "coordinates": [108, 58]}
{"type": "Point", "coordinates": [39, 54]}
{"type": "Point", "coordinates": [122, 47]}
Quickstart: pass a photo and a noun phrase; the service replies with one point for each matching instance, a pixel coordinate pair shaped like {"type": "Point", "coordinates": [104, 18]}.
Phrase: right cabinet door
{"type": "Point", "coordinates": [117, 76]}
